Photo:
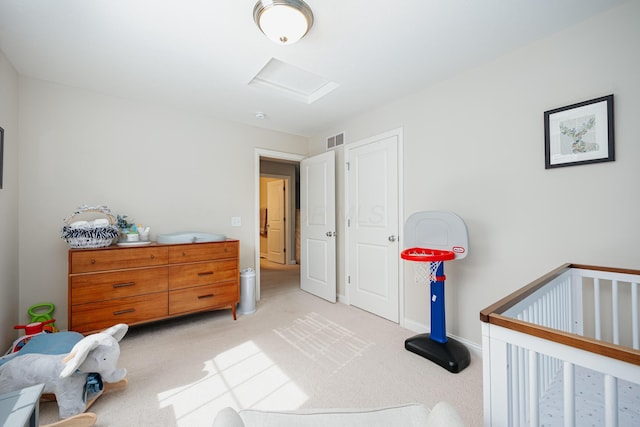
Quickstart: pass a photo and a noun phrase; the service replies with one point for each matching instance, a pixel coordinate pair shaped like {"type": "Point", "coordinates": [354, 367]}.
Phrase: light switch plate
{"type": "Point", "coordinates": [236, 221]}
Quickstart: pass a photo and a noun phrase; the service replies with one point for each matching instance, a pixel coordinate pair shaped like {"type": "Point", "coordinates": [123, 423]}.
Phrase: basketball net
{"type": "Point", "coordinates": [425, 272]}
{"type": "Point", "coordinates": [427, 263]}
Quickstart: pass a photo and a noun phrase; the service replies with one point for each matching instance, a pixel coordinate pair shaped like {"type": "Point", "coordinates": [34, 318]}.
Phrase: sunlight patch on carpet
{"type": "Point", "coordinates": [325, 342]}
{"type": "Point", "coordinates": [242, 377]}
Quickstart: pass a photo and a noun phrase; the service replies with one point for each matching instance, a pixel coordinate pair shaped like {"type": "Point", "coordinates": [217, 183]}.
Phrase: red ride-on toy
{"type": "Point", "coordinates": [30, 330]}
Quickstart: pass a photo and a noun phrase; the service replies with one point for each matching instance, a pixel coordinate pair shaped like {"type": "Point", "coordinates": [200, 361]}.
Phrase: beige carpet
{"type": "Point", "coordinates": [296, 351]}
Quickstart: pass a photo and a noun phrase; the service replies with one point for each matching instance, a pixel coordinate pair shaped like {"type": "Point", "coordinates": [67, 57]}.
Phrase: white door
{"type": "Point", "coordinates": [318, 226]}
{"type": "Point", "coordinates": [373, 226]}
{"type": "Point", "coordinates": [276, 221]}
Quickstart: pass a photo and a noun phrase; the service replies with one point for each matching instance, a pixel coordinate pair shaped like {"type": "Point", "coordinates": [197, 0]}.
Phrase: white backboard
{"type": "Point", "coordinates": [441, 230]}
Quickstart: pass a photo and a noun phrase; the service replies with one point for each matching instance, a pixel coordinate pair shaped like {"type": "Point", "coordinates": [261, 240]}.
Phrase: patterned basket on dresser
{"type": "Point", "coordinates": [89, 234]}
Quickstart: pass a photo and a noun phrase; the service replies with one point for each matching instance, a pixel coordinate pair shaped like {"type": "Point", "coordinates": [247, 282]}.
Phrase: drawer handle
{"type": "Point", "coordinates": [152, 256]}
{"type": "Point", "coordinates": [93, 261]}
{"type": "Point", "coordinates": [205, 273]}
{"type": "Point", "coordinates": [123, 285]}
{"type": "Point", "coordinates": [119, 312]}
{"type": "Point", "coordinates": [205, 296]}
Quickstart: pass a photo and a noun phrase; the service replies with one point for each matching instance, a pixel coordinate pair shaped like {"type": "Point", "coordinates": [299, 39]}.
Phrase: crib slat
{"type": "Point", "coordinates": [546, 310]}
{"type": "Point", "coordinates": [533, 389]}
{"type": "Point", "coordinates": [515, 387]}
{"type": "Point", "coordinates": [596, 307]}
{"type": "Point", "coordinates": [610, 401]}
{"type": "Point", "coordinates": [553, 316]}
{"type": "Point", "coordinates": [616, 312]}
{"type": "Point", "coordinates": [634, 314]}
{"type": "Point", "coordinates": [522, 388]}
{"type": "Point", "coordinates": [568, 376]}
{"type": "Point", "coordinates": [577, 314]}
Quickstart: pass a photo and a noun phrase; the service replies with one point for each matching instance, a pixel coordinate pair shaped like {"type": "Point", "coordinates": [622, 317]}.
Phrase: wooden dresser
{"type": "Point", "coordinates": [138, 284]}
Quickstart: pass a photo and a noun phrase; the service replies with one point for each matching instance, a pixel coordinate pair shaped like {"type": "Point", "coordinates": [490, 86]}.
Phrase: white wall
{"type": "Point", "coordinates": [474, 145]}
{"type": "Point", "coordinates": [9, 204]}
{"type": "Point", "coordinates": [169, 169]}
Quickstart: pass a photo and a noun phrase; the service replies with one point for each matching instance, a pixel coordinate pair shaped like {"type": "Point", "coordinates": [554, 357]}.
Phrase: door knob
{"type": "Point", "coordinates": [330, 233]}
{"type": "Point", "coordinates": [392, 238]}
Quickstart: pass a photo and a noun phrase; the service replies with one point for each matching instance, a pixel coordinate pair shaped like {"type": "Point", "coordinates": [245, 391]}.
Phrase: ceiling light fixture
{"type": "Point", "coordinates": [283, 21]}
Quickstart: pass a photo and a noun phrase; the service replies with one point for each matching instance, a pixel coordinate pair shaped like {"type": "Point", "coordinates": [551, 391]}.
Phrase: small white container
{"type": "Point", "coordinates": [247, 291]}
{"type": "Point", "coordinates": [144, 234]}
{"type": "Point", "coordinates": [133, 237]}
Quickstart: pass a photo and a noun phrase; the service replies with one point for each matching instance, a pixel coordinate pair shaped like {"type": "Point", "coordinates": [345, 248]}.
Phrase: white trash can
{"type": "Point", "coordinates": [247, 291]}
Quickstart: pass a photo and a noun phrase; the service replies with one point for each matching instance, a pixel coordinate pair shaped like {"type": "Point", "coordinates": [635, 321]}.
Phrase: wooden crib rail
{"type": "Point", "coordinates": [515, 297]}
{"type": "Point", "coordinates": [494, 315]}
{"type": "Point", "coordinates": [512, 299]}
{"type": "Point", "coordinates": [614, 351]}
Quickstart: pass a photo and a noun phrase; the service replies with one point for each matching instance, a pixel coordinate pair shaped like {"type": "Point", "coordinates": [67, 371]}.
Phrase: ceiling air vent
{"type": "Point", "coordinates": [335, 141]}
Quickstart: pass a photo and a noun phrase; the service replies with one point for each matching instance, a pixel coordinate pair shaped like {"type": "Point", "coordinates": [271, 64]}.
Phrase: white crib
{"type": "Point", "coordinates": [564, 351]}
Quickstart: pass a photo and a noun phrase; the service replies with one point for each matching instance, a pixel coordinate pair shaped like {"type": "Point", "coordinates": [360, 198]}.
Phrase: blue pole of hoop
{"type": "Point", "coordinates": [438, 322]}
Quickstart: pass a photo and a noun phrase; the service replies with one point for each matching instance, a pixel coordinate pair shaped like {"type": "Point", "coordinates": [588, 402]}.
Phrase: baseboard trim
{"type": "Point", "coordinates": [420, 328]}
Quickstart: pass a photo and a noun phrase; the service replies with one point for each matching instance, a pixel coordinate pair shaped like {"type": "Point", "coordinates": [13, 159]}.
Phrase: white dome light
{"type": "Point", "coordinates": [283, 21]}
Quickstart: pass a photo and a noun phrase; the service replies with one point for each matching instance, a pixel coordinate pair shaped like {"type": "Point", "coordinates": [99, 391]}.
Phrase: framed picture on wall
{"type": "Point", "coordinates": [1, 154]}
{"type": "Point", "coordinates": [579, 134]}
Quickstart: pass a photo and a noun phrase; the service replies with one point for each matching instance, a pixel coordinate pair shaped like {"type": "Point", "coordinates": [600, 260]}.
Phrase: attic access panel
{"type": "Point", "coordinates": [292, 82]}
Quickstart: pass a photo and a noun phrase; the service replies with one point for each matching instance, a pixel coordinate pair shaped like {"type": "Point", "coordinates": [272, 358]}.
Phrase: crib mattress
{"type": "Point", "coordinates": [590, 401]}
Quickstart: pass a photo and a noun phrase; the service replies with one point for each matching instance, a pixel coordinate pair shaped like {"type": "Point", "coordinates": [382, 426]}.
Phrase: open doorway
{"type": "Point", "coordinates": [277, 257]}
{"type": "Point", "coordinates": [275, 218]}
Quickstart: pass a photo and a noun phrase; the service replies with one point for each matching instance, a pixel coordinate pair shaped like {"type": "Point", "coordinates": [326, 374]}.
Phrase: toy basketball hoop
{"type": "Point", "coordinates": [431, 238]}
{"type": "Point", "coordinates": [427, 262]}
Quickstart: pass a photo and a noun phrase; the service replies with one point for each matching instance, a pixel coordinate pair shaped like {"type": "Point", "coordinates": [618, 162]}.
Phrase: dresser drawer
{"type": "Point", "coordinates": [202, 273]}
{"type": "Point", "coordinates": [119, 284]}
{"type": "Point", "coordinates": [202, 298]}
{"type": "Point", "coordinates": [101, 315]}
{"type": "Point", "coordinates": [87, 261]}
{"type": "Point", "coordinates": [203, 251]}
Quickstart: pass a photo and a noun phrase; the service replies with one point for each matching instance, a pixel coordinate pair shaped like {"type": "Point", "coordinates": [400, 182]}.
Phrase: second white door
{"type": "Point", "coordinates": [373, 225]}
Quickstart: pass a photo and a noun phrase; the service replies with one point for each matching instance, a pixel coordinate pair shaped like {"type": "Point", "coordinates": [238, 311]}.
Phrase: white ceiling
{"type": "Point", "coordinates": [202, 54]}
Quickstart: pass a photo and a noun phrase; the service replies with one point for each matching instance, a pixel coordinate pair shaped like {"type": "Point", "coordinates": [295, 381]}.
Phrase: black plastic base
{"type": "Point", "coordinates": [452, 355]}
